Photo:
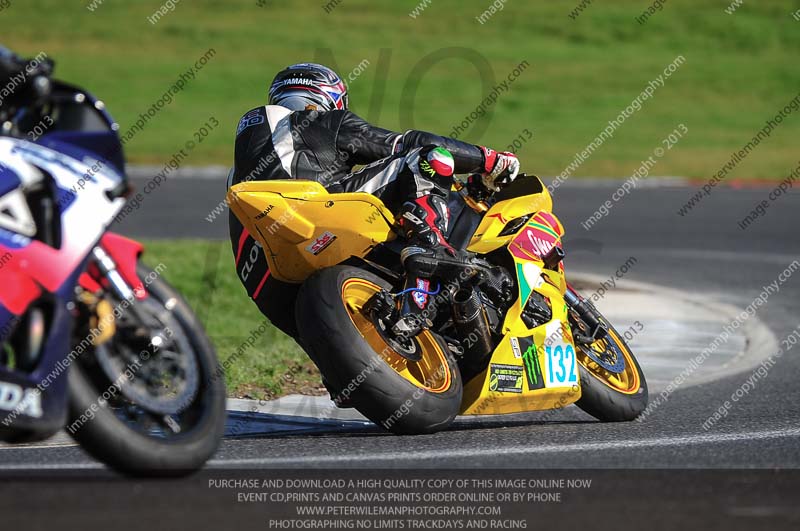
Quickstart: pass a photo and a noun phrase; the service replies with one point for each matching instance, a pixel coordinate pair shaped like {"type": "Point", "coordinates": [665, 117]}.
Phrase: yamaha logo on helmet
{"type": "Point", "coordinates": [295, 81]}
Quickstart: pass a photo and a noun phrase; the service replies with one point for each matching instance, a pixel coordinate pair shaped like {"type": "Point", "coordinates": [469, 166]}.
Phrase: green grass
{"type": "Point", "coordinates": [203, 272]}
{"type": "Point", "coordinates": [740, 70]}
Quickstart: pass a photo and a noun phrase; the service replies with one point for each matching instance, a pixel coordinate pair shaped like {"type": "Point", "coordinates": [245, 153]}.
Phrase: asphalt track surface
{"type": "Point", "coordinates": [704, 253]}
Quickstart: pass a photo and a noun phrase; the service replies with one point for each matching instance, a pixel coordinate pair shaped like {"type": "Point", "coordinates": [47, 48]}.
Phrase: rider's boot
{"type": "Point", "coordinates": [423, 222]}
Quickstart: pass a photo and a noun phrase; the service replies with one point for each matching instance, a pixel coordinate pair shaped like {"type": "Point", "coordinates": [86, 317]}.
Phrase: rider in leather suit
{"type": "Point", "coordinates": [307, 132]}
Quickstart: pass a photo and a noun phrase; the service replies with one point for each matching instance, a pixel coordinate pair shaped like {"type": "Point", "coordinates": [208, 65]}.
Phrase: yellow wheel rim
{"type": "Point", "coordinates": [626, 382]}
{"type": "Point", "coordinates": [431, 373]}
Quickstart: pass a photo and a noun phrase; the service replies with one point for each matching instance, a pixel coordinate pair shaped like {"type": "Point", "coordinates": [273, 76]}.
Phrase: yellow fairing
{"type": "Point", "coordinates": [530, 369]}
{"type": "Point", "coordinates": [487, 239]}
{"type": "Point", "coordinates": [524, 353]}
{"type": "Point", "coordinates": [534, 390]}
{"type": "Point", "coordinates": [303, 228]}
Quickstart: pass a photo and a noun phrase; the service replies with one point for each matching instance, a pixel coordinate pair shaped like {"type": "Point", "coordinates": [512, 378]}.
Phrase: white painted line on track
{"type": "Point", "coordinates": [520, 450]}
{"type": "Point", "coordinates": [37, 446]}
{"type": "Point", "coordinates": [393, 457]}
{"type": "Point", "coordinates": [53, 466]}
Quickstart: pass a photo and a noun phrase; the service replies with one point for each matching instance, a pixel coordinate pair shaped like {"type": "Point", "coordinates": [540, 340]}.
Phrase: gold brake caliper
{"type": "Point", "coordinates": [101, 318]}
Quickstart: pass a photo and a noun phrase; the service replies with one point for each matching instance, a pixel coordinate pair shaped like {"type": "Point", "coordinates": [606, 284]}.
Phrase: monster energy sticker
{"type": "Point", "coordinates": [533, 370]}
{"type": "Point", "coordinates": [505, 378]}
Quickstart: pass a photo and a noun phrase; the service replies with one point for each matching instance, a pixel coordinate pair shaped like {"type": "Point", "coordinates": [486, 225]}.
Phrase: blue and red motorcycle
{"type": "Point", "coordinates": [92, 341]}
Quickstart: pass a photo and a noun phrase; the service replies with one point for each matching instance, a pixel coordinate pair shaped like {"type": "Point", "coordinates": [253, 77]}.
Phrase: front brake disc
{"type": "Point", "coordinates": [157, 373]}
{"type": "Point", "coordinates": [613, 361]}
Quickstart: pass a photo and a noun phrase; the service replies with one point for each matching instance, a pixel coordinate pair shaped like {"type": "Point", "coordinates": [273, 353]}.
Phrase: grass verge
{"type": "Point", "coordinates": [584, 69]}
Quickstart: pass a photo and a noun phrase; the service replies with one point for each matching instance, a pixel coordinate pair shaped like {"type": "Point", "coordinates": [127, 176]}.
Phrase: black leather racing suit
{"type": "Point", "coordinates": [275, 143]}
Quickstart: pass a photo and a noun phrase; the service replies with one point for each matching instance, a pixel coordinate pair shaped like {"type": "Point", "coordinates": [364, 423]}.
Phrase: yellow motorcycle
{"type": "Point", "coordinates": [501, 332]}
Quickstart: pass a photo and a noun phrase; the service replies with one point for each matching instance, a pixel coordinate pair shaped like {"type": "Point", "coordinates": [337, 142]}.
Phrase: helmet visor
{"type": "Point", "coordinates": [297, 103]}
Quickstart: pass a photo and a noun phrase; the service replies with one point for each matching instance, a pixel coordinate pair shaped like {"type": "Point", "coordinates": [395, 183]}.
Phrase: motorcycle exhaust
{"type": "Point", "coordinates": [472, 324]}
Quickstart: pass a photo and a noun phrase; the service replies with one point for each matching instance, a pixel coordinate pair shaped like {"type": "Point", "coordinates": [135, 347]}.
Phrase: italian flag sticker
{"type": "Point", "coordinates": [441, 161]}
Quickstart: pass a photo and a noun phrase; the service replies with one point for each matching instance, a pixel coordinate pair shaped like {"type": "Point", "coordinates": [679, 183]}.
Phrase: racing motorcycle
{"type": "Point", "coordinates": [500, 329]}
{"type": "Point", "coordinates": [93, 341]}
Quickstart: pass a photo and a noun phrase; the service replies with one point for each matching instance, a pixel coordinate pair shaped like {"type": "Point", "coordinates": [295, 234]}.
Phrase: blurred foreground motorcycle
{"type": "Point", "coordinates": [93, 341]}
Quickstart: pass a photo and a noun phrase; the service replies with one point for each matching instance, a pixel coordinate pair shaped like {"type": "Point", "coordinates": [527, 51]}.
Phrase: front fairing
{"type": "Point", "coordinates": [530, 368]}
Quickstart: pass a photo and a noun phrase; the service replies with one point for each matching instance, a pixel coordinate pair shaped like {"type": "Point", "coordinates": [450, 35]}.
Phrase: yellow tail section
{"type": "Point", "coordinates": [303, 228]}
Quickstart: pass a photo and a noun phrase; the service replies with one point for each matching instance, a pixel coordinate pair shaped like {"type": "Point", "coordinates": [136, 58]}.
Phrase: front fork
{"type": "Point", "coordinates": [596, 328]}
{"type": "Point", "coordinates": [108, 269]}
{"type": "Point", "coordinates": [114, 268]}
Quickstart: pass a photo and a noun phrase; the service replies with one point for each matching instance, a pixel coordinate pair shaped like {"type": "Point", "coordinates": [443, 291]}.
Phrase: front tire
{"type": "Point", "coordinates": [104, 430]}
{"type": "Point", "coordinates": [609, 396]}
{"type": "Point", "coordinates": [402, 396]}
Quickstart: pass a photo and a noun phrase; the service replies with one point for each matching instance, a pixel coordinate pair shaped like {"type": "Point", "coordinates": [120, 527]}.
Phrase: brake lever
{"type": "Point", "coordinates": [477, 189]}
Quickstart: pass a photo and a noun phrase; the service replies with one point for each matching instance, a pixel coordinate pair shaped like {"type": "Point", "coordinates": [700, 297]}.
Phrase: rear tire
{"type": "Point", "coordinates": [111, 440]}
{"type": "Point", "coordinates": [352, 366]}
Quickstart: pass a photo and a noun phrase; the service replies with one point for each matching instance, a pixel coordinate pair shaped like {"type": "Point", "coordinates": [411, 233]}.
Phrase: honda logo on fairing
{"type": "Point", "coordinates": [25, 401]}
